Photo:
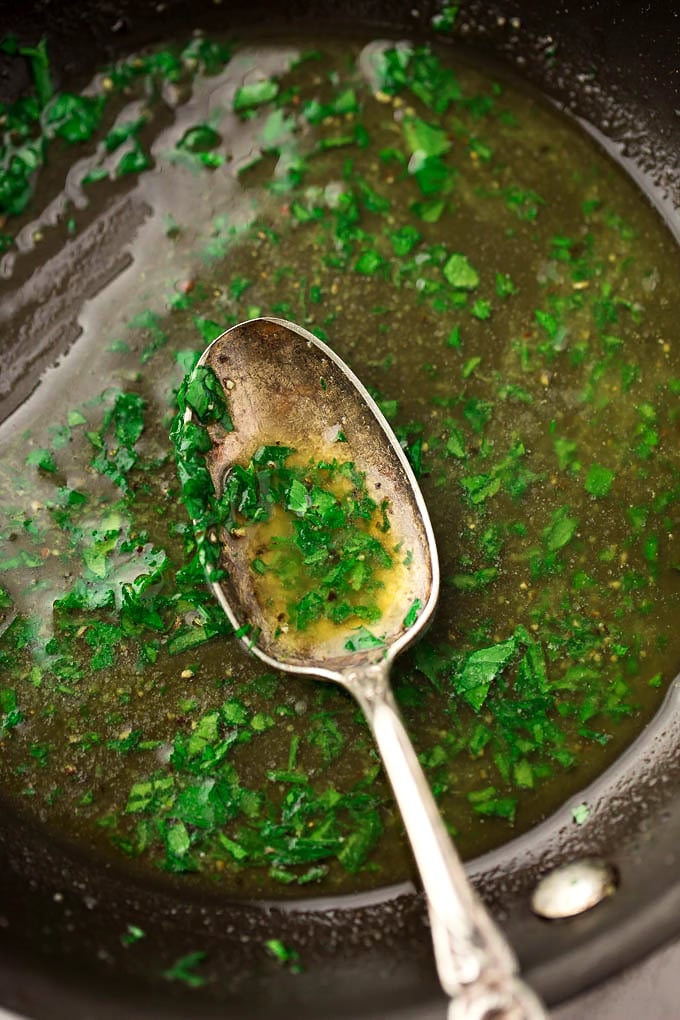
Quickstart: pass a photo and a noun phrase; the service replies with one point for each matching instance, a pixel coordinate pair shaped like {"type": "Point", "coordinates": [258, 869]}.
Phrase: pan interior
{"type": "Point", "coordinates": [547, 463]}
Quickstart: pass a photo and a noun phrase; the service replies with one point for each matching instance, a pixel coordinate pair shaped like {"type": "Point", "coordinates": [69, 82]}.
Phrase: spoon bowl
{"type": "Point", "coordinates": [285, 388]}
{"type": "Point", "coordinates": [283, 385]}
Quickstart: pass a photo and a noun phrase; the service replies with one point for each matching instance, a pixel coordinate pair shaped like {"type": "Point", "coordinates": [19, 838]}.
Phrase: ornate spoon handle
{"type": "Point", "coordinates": [476, 966]}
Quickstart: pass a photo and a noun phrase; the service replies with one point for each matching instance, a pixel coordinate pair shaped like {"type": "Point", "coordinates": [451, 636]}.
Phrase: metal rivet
{"type": "Point", "coordinates": [574, 888]}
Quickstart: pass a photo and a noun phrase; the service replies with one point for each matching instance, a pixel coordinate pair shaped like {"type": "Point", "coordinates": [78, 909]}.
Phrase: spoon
{"type": "Point", "coordinates": [283, 386]}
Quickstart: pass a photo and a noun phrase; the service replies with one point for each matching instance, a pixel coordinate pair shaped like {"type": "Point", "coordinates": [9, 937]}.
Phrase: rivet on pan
{"type": "Point", "coordinates": [574, 888]}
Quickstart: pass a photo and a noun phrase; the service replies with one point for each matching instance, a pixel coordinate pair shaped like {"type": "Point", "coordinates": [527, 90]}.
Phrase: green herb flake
{"type": "Point", "coordinates": [565, 451]}
{"type": "Point", "coordinates": [133, 933]}
{"type": "Point", "coordinates": [412, 614]}
{"type": "Point", "coordinates": [445, 19]}
{"type": "Point", "coordinates": [481, 310]}
{"type": "Point", "coordinates": [74, 118]}
{"type": "Point", "coordinates": [255, 94]}
{"type": "Point", "coordinates": [476, 581]}
{"type": "Point", "coordinates": [469, 367]}
{"type": "Point", "coordinates": [599, 480]}
{"type": "Point", "coordinates": [429, 210]}
{"type": "Point", "coordinates": [455, 444]}
{"type": "Point", "coordinates": [120, 133]}
{"type": "Point", "coordinates": [453, 339]}
{"type": "Point", "coordinates": [41, 459]}
{"type": "Point", "coordinates": [423, 139]}
{"type": "Point", "coordinates": [199, 138]}
{"type": "Point", "coordinates": [478, 488]}
{"type": "Point", "coordinates": [183, 970]}
{"type": "Point", "coordinates": [133, 162]}
{"type": "Point", "coordinates": [298, 500]}
{"type": "Point", "coordinates": [363, 641]}
{"type": "Point", "coordinates": [404, 239]}
{"type": "Point", "coordinates": [285, 955]}
{"type": "Point", "coordinates": [204, 395]}
{"type": "Point", "coordinates": [487, 802]}
{"type": "Point", "coordinates": [560, 531]}
{"type": "Point", "coordinates": [368, 263]}
{"type": "Point", "coordinates": [460, 273]}
{"type": "Point", "coordinates": [580, 813]}
{"type": "Point", "coordinates": [479, 670]}
{"type": "Point", "coordinates": [10, 713]}
{"type": "Point", "coordinates": [504, 285]}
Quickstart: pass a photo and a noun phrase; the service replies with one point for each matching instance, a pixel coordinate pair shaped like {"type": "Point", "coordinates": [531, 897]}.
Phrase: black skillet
{"type": "Point", "coordinates": [61, 914]}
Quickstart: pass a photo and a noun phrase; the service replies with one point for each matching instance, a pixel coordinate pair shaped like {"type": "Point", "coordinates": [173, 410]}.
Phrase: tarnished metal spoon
{"type": "Point", "coordinates": [284, 386]}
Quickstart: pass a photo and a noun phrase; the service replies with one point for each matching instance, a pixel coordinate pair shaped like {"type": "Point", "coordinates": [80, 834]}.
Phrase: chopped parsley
{"type": "Point", "coordinates": [318, 533]}
{"type": "Point", "coordinates": [528, 396]}
{"type": "Point", "coordinates": [184, 970]}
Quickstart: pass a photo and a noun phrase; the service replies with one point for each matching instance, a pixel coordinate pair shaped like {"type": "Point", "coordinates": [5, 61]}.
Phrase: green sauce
{"type": "Point", "coordinates": [509, 298]}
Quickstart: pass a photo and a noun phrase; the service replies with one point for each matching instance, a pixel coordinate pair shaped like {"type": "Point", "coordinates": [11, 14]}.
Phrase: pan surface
{"type": "Point", "coordinates": [61, 914]}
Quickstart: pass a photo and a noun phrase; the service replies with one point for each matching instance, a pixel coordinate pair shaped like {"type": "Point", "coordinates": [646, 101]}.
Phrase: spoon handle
{"type": "Point", "coordinates": [476, 966]}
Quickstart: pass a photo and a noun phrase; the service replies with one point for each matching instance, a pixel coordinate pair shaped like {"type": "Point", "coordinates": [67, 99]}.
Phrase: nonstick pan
{"type": "Point", "coordinates": [616, 65]}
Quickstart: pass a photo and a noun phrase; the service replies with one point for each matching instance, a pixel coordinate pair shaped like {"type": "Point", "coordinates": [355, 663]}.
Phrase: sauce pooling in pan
{"type": "Point", "coordinates": [507, 295]}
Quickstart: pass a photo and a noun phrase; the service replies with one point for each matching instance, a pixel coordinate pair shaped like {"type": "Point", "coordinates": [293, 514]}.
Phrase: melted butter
{"type": "Point", "coordinates": [279, 577]}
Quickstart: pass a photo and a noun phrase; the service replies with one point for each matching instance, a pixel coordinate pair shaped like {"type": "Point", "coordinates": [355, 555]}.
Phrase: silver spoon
{"type": "Point", "coordinates": [284, 386]}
